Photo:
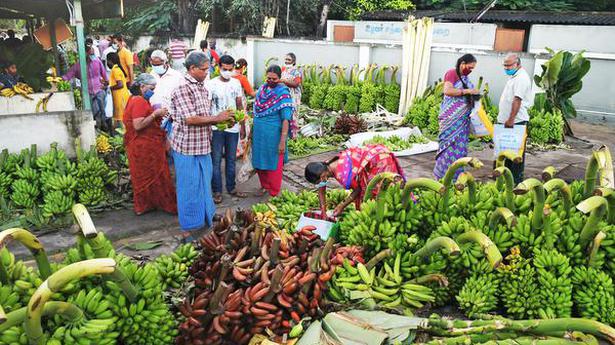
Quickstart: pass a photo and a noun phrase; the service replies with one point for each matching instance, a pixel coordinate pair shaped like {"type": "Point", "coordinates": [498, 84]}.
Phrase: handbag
{"type": "Point", "coordinates": [246, 171]}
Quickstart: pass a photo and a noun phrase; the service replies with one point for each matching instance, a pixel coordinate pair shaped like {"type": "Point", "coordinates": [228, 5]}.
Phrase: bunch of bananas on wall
{"type": "Point", "coordinates": [21, 89]}
{"type": "Point", "coordinates": [173, 268]}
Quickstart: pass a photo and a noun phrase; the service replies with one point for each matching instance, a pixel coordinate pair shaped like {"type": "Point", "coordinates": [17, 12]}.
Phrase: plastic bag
{"type": "Point", "coordinates": [480, 125]}
{"type": "Point", "coordinates": [109, 104]}
{"type": "Point", "coordinates": [509, 139]}
{"type": "Point", "coordinates": [247, 170]}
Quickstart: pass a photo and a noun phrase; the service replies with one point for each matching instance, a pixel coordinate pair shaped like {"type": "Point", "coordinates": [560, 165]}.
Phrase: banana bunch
{"type": "Point", "coordinates": [50, 160]}
{"type": "Point", "coordinates": [24, 194]}
{"type": "Point", "coordinates": [43, 102]}
{"type": "Point", "coordinates": [57, 203]}
{"type": "Point", "coordinates": [102, 144]}
{"type": "Point", "coordinates": [7, 92]}
{"type": "Point", "coordinates": [593, 294]}
{"type": "Point", "coordinates": [23, 281]}
{"type": "Point", "coordinates": [479, 294]}
{"type": "Point", "coordinates": [568, 242]}
{"type": "Point", "coordinates": [266, 219]}
{"type": "Point", "coordinates": [5, 183]}
{"type": "Point", "coordinates": [16, 336]}
{"type": "Point", "coordinates": [430, 207]}
{"type": "Point", "coordinates": [500, 234]}
{"type": "Point", "coordinates": [51, 79]}
{"type": "Point", "coordinates": [555, 287]}
{"type": "Point", "coordinates": [527, 238]}
{"type": "Point", "coordinates": [97, 326]}
{"type": "Point", "coordinates": [92, 196]}
{"type": "Point", "coordinates": [173, 268]}
{"type": "Point", "coordinates": [23, 90]}
{"type": "Point", "coordinates": [386, 289]}
{"type": "Point", "coordinates": [64, 183]}
{"type": "Point", "coordinates": [26, 173]}
{"type": "Point", "coordinates": [9, 298]}
{"type": "Point", "coordinates": [519, 290]}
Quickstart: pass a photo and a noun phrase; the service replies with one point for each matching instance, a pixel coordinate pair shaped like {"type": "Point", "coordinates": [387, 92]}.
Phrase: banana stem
{"type": "Point", "coordinates": [4, 274]}
{"type": "Point", "coordinates": [377, 258]}
{"type": "Point", "coordinates": [55, 283]}
{"type": "Point", "coordinates": [438, 243]}
{"type": "Point", "coordinates": [591, 175]}
{"type": "Point", "coordinates": [2, 316]}
{"type": "Point", "coordinates": [68, 311]}
{"type": "Point", "coordinates": [546, 327]}
{"type": "Point", "coordinates": [502, 214]}
{"type": "Point", "coordinates": [548, 173]}
{"type": "Point", "coordinates": [609, 195]}
{"type": "Point", "coordinates": [423, 183]}
{"type": "Point", "coordinates": [491, 251]}
{"type": "Point", "coordinates": [537, 187]}
{"type": "Point", "coordinates": [32, 243]}
{"type": "Point", "coordinates": [430, 278]}
{"type": "Point", "coordinates": [504, 176]}
{"type": "Point", "coordinates": [591, 260]}
{"type": "Point", "coordinates": [597, 207]}
{"type": "Point", "coordinates": [504, 155]}
{"type": "Point", "coordinates": [376, 181]}
{"type": "Point", "coordinates": [565, 194]}
{"type": "Point", "coordinates": [447, 181]}
{"type": "Point", "coordinates": [467, 179]}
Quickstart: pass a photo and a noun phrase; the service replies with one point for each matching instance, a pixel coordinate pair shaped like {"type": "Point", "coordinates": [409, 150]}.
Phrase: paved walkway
{"type": "Point", "coordinates": [124, 227]}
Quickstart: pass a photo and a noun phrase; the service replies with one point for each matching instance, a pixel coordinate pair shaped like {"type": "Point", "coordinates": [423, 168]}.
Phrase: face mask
{"type": "Point", "coordinates": [288, 65]}
{"type": "Point", "coordinates": [92, 56]}
{"type": "Point", "coordinates": [160, 69]}
{"type": "Point", "coordinates": [321, 184]}
{"type": "Point", "coordinates": [114, 46]}
{"type": "Point", "coordinates": [465, 71]}
{"type": "Point", "coordinates": [148, 94]}
{"type": "Point", "coordinates": [272, 84]}
{"type": "Point", "coordinates": [226, 74]}
{"type": "Point", "coordinates": [511, 72]}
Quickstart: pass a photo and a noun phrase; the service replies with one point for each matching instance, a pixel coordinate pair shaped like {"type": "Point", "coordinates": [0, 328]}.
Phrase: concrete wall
{"type": "Point", "coordinates": [235, 47]}
{"type": "Point", "coordinates": [60, 101]}
{"type": "Point", "coordinates": [593, 39]}
{"type": "Point", "coordinates": [21, 131]}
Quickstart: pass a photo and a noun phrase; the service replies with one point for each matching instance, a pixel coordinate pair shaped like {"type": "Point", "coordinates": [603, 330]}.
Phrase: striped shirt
{"type": "Point", "coordinates": [178, 49]}
{"type": "Point", "coordinates": [190, 99]}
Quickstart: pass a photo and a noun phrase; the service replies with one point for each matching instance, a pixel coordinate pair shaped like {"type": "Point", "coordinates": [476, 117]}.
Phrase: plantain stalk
{"type": "Point", "coordinates": [68, 311]}
{"type": "Point", "coordinates": [565, 194]}
{"type": "Point", "coordinates": [32, 243]}
{"type": "Point", "coordinates": [502, 214]}
{"type": "Point", "coordinates": [537, 187]}
{"type": "Point", "coordinates": [507, 155]}
{"type": "Point", "coordinates": [376, 181]}
{"type": "Point", "coordinates": [504, 176]}
{"type": "Point", "coordinates": [595, 246]}
{"type": "Point", "coordinates": [546, 327]}
{"type": "Point", "coordinates": [447, 181]}
{"type": "Point", "coordinates": [377, 258]}
{"type": "Point", "coordinates": [438, 243]}
{"type": "Point", "coordinates": [601, 163]}
{"type": "Point", "coordinates": [423, 183]}
{"type": "Point", "coordinates": [491, 251]}
{"type": "Point", "coordinates": [2, 316]}
{"type": "Point", "coordinates": [429, 278]}
{"type": "Point", "coordinates": [548, 173]}
{"type": "Point", "coordinates": [609, 195]}
{"type": "Point", "coordinates": [55, 283]}
{"type": "Point", "coordinates": [597, 207]}
{"type": "Point", "coordinates": [466, 179]}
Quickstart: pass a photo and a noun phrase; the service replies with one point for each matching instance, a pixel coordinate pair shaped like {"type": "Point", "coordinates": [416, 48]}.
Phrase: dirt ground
{"type": "Point", "coordinates": [125, 228]}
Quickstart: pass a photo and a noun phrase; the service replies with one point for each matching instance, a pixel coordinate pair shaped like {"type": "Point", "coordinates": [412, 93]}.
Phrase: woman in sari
{"type": "Point", "coordinates": [145, 146]}
{"type": "Point", "coordinates": [292, 77]}
{"type": "Point", "coordinates": [454, 116]}
{"type": "Point", "coordinates": [273, 109]}
{"type": "Point", "coordinates": [353, 169]}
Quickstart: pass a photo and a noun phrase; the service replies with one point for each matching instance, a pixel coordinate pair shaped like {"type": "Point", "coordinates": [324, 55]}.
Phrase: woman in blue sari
{"type": "Point", "coordinates": [454, 119]}
{"type": "Point", "coordinates": [273, 110]}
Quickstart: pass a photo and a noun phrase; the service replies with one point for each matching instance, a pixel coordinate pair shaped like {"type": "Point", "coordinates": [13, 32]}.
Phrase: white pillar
{"type": "Point", "coordinates": [251, 59]}
{"type": "Point", "coordinates": [365, 55]}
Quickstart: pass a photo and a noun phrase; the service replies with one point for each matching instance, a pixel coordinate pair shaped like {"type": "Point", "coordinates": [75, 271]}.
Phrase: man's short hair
{"type": "Point", "coordinates": [227, 60]}
{"type": "Point", "coordinates": [160, 55]}
{"type": "Point", "coordinates": [196, 58]}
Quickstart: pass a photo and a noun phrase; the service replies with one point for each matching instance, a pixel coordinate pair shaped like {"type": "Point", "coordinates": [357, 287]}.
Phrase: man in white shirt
{"type": "Point", "coordinates": [167, 79]}
{"type": "Point", "coordinates": [225, 93]}
{"type": "Point", "coordinates": [515, 102]}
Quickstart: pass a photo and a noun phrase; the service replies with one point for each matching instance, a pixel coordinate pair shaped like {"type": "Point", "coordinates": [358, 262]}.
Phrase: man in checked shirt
{"type": "Point", "coordinates": [190, 113]}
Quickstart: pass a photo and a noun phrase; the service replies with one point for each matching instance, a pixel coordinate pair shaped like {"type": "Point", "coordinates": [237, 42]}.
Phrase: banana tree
{"type": "Point", "coordinates": [561, 79]}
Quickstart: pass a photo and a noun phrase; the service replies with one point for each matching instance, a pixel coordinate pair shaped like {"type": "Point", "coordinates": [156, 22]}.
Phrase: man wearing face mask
{"type": "Point", "coordinates": [515, 101]}
{"type": "Point", "coordinates": [167, 79]}
{"type": "Point", "coordinates": [126, 57]}
{"type": "Point", "coordinates": [225, 93]}
{"type": "Point", "coordinates": [97, 84]}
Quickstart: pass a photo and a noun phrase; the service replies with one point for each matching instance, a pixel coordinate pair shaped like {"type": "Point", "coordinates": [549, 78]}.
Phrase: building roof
{"type": "Point", "coordinates": [92, 9]}
{"type": "Point", "coordinates": [500, 16]}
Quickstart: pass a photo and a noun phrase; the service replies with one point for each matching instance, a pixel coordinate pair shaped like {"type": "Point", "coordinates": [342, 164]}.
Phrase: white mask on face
{"type": "Point", "coordinates": [226, 74]}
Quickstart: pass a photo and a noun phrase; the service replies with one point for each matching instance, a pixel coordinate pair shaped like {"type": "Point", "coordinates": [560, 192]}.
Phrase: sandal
{"type": "Point", "coordinates": [237, 194]}
{"type": "Point", "coordinates": [217, 198]}
{"type": "Point", "coordinates": [262, 192]}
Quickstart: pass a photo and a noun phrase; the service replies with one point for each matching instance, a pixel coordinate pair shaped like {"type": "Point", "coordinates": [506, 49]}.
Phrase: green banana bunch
{"type": "Point", "coordinates": [479, 294]}
{"type": "Point", "coordinates": [519, 290]}
{"type": "Point", "coordinates": [64, 183]}
{"type": "Point", "coordinates": [26, 173]}
{"type": "Point", "coordinates": [173, 268]}
{"type": "Point", "coordinates": [5, 183]}
{"type": "Point", "coordinates": [593, 294]}
{"type": "Point", "coordinates": [555, 287]}
{"type": "Point", "coordinates": [9, 298]}
{"type": "Point", "coordinates": [568, 242]}
{"type": "Point", "coordinates": [24, 193]}
{"type": "Point", "coordinates": [500, 234]}
{"type": "Point", "coordinates": [14, 336]}
{"type": "Point", "coordinates": [56, 204]}
{"type": "Point", "coordinates": [527, 238]}
{"type": "Point", "coordinates": [92, 196]}
{"type": "Point", "coordinates": [22, 282]}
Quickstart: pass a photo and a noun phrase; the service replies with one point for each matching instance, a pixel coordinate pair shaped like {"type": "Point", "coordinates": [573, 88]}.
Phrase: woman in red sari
{"type": "Point", "coordinates": [353, 169]}
{"type": "Point", "coordinates": [145, 146]}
